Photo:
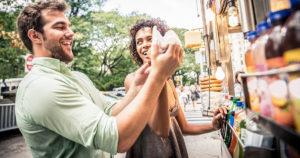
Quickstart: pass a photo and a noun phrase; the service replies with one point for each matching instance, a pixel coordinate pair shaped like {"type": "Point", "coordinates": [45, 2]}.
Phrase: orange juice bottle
{"type": "Point", "coordinates": [250, 66]}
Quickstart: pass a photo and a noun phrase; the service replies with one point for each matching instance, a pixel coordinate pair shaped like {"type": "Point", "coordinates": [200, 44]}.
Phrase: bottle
{"type": "Point", "coordinates": [291, 41]}
{"type": "Point", "coordinates": [239, 117]}
{"type": "Point", "coordinates": [234, 145]}
{"type": "Point", "coordinates": [266, 106]}
{"type": "Point", "coordinates": [253, 135]}
{"type": "Point", "coordinates": [273, 48]}
{"type": "Point", "coordinates": [250, 66]}
{"type": "Point", "coordinates": [259, 49]}
{"type": "Point", "coordinates": [230, 119]}
{"type": "Point", "coordinates": [291, 55]}
{"type": "Point", "coordinates": [265, 102]}
{"type": "Point", "coordinates": [232, 111]}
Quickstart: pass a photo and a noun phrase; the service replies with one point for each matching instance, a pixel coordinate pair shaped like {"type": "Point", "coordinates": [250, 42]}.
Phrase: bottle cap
{"type": "Point", "coordinates": [252, 35]}
{"type": "Point", "coordinates": [262, 27]}
{"type": "Point", "coordinates": [235, 99]}
{"type": "Point", "coordinates": [295, 3]}
{"type": "Point", "coordinates": [243, 105]}
{"type": "Point", "coordinates": [239, 103]}
{"type": "Point", "coordinates": [278, 15]}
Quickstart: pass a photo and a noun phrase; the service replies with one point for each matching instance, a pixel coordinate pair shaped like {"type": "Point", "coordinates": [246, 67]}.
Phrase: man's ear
{"type": "Point", "coordinates": [34, 36]}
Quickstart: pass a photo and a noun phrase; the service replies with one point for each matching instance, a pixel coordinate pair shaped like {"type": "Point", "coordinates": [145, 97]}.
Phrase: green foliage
{"type": "Point", "coordinates": [100, 46]}
{"type": "Point", "coordinates": [101, 50]}
{"type": "Point", "coordinates": [188, 67]}
{"type": "Point", "coordinates": [11, 48]}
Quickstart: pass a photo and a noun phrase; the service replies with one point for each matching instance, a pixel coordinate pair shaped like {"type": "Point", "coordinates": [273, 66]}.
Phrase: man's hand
{"type": "Point", "coordinates": [219, 117]}
{"type": "Point", "coordinates": [165, 64]}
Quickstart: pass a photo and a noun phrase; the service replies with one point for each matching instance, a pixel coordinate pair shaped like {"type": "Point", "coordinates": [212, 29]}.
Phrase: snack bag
{"type": "Point", "coordinates": [163, 41]}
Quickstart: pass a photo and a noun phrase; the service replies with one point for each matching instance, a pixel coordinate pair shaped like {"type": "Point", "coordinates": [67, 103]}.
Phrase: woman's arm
{"type": "Point", "coordinates": [187, 128]}
{"type": "Point", "coordinates": [218, 120]}
{"type": "Point", "coordinates": [159, 120]}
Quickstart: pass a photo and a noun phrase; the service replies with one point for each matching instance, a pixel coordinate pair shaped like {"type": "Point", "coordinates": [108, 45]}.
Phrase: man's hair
{"type": "Point", "coordinates": [161, 27]}
{"type": "Point", "coordinates": [31, 18]}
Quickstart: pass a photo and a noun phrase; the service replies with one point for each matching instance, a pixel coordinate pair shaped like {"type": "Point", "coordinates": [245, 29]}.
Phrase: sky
{"type": "Point", "coordinates": [176, 13]}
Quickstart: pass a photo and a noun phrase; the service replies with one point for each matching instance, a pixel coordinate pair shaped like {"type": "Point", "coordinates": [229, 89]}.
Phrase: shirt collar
{"type": "Point", "coordinates": [53, 64]}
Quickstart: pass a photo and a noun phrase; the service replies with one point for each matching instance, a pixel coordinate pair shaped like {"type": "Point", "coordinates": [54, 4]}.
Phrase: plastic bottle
{"type": "Point", "coordinates": [250, 66]}
{"type": "Point", "coordinates": [266, 107]}
{"type": "Point", "coordinates": [230, 119]}
{"type": "Point", "coordinates": [252, 135]}
{"type": "Point", "coordinates": [291, 41]}
{"type": "Point", "coordinates": [277, 85]}
{"type": "Point", "coordinates": [234, 146]}
{"type": "Point", "coordinates": [232, 111]}
{"type": "Point", "coordinates": [259, 49]}
{"type": "Point", "coordinates": [291, 55]}
{"type": "Point", "coordinates": [238, 118]}
{"type": "Point", "coordinates": [273, 48]}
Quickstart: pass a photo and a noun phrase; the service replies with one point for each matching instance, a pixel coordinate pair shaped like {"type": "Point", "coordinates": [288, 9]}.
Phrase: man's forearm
{"type": "Point", "coordinates": [131, 94]}
{"type": "Point", "coordinates": [160, 118]}
{"type": "Point", "coordinates": [133, 118]}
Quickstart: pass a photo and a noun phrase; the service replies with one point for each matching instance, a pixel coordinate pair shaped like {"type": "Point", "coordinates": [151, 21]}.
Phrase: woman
{"type": "Point", "coordinates": [162, 136]}
{"type": "Point", "coordinates": [194, 96]}
{"type": "Point", "coordinates": [183, 97]}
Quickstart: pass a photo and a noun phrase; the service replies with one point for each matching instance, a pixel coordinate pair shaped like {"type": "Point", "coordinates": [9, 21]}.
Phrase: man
{"type": "Point", "coordinates": [59, 112]}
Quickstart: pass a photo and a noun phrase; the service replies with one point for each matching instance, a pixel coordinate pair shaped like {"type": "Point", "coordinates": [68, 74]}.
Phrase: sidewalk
{"type": "Point", "coordinates": [205, 145]}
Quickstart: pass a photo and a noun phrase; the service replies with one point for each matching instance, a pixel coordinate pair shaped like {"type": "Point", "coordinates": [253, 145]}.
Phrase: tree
{"type": "Point", "coordinates": [11, 47]}
{"type": "Point", "coordinates": [82, 7]}
{"type": "Point", "coordinates": [102, 50]}
{"type": "Point", "coordinates": [188, 66]}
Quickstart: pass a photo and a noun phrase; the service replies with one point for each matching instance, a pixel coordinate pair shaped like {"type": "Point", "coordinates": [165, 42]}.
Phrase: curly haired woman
{"type": "Point", "coordinates": [163, 135]}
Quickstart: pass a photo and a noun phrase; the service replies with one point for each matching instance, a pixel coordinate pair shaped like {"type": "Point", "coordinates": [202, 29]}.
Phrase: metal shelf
{"type": "Point", "coordinates": [287, 134]}
{"type": "Point", "coordinates": [281, 132]}
{"type": "Point", "coordinates": [288, 69]}
{"type": "Point", "coordinates": [253, 151]}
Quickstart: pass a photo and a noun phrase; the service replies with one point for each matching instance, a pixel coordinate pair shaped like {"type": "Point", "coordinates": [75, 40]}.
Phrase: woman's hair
{"type": "Point", "coordinates": [237, 75]}
{"type": "Point", "coordinates": [161, 27]}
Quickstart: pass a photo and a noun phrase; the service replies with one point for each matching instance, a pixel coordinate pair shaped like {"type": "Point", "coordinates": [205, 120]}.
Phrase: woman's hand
{"type": "Point", "coordinates": [140, 77]}
{"type": "Point", "coordinates": [219, 117]}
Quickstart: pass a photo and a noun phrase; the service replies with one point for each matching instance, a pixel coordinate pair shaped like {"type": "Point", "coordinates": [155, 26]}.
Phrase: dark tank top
{"type": "Point", "coordinates": [150, 145]}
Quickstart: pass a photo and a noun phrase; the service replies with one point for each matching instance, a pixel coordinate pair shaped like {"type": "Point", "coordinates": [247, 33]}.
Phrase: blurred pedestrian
{"type": "Point", "coordinates": [194, 96]}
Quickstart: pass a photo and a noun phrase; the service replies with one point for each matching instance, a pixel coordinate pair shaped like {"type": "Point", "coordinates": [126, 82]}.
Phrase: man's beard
{"type": "Point", "coordinates": [58, 53]}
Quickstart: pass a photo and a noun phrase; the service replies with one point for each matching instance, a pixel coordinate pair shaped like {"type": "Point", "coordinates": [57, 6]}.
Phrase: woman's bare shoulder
{"type": "Point", "coordinates": [129, 79]}
{"type": "Point", "coordinates": [130, 76]}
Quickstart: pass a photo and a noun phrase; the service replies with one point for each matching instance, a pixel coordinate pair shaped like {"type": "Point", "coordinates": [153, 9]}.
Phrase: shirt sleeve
{"type": "Point", "coordinates": [100, 99]}
{"type": "Point", "coordinates": [64, 110]}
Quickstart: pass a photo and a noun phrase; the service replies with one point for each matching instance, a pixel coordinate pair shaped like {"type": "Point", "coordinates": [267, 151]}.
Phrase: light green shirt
{"type": "Point", "coordinates": [61, 114]}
